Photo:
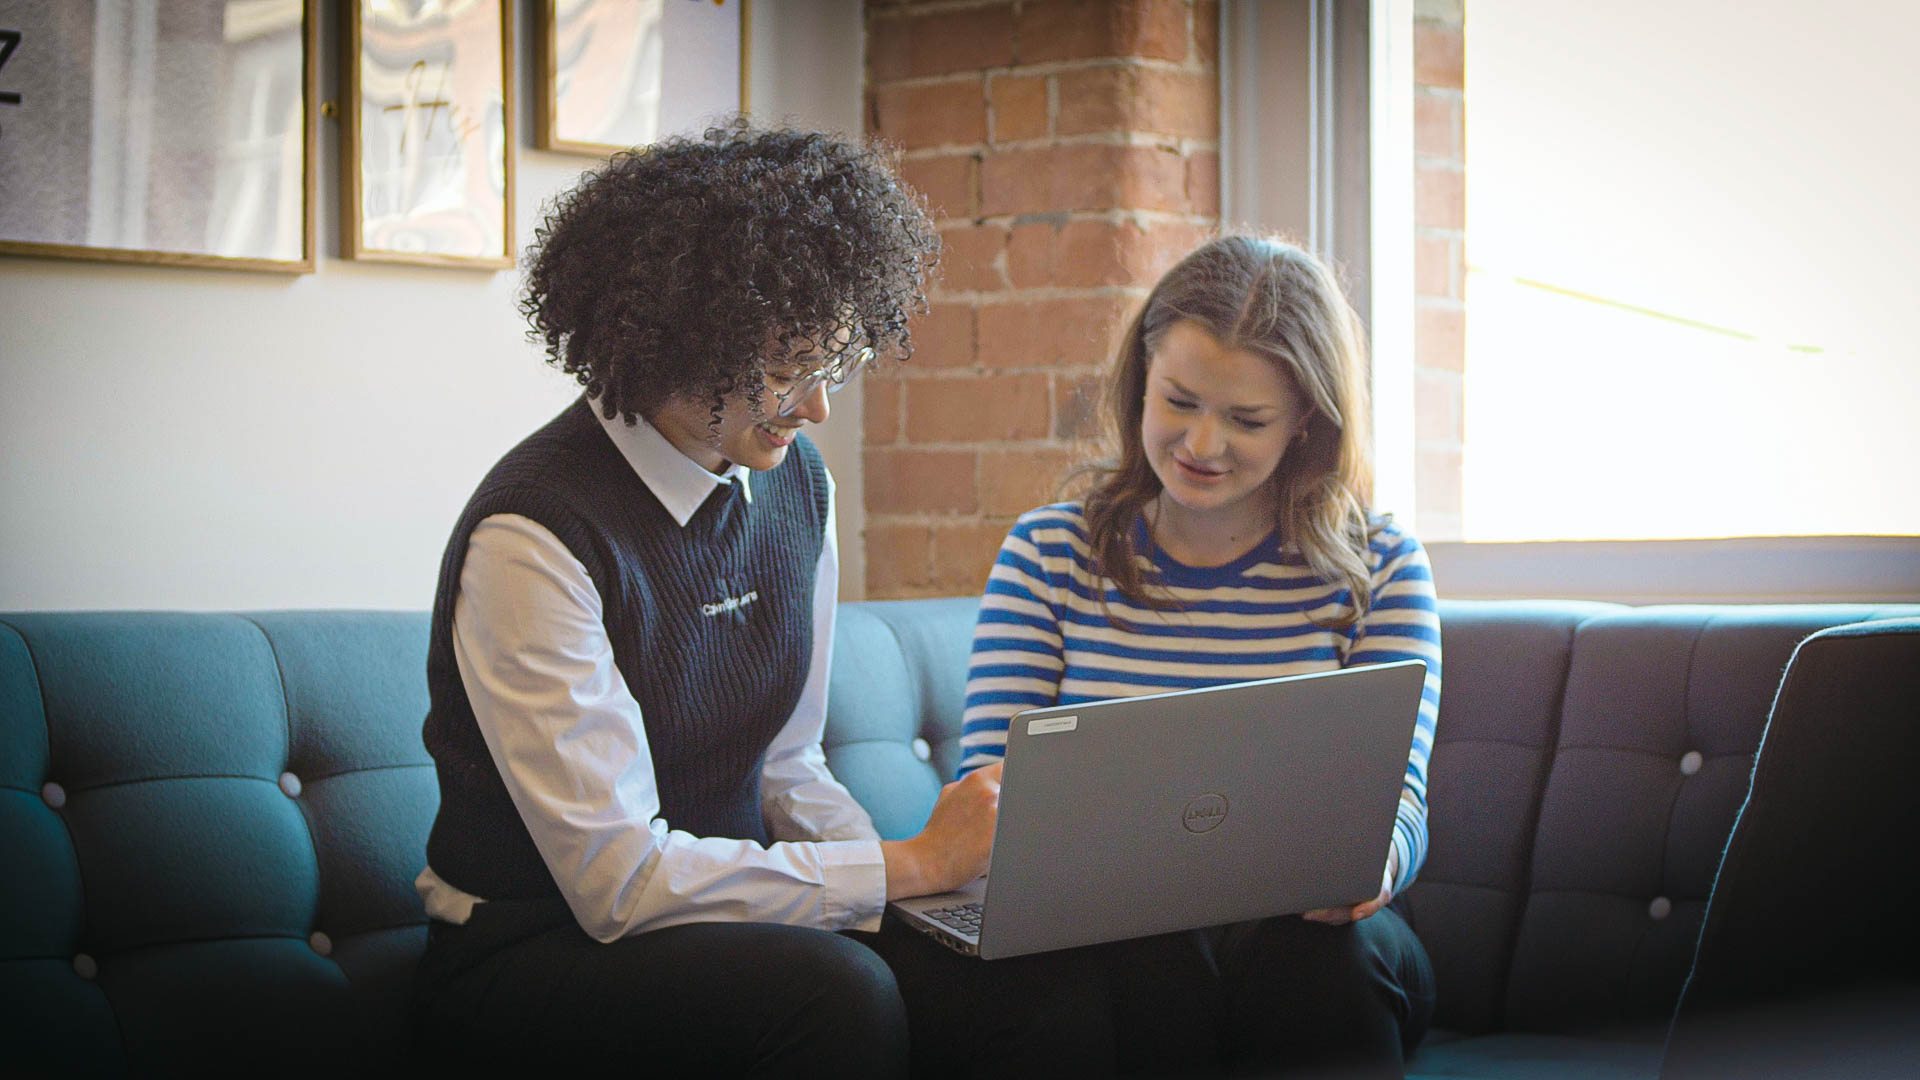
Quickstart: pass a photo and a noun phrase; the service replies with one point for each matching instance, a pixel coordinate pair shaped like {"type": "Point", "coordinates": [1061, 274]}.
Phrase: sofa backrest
{"type": "Point", "coordinates": [894, 704]}
{"type": "Point", "coordinates": [211, 824]}
{"type": "Point", "coordinates": [1621, 801]}
{"type": "Point", "coordinates": [1504, 667]}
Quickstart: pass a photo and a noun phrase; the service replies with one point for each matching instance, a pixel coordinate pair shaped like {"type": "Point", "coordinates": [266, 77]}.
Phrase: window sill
{"type": "Point", "coordinates": [1764, 569]}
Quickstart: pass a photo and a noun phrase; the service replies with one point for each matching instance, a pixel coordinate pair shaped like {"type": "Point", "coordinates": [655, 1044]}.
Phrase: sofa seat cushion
{"type": "Point", "coordinates": [1524, 1056]}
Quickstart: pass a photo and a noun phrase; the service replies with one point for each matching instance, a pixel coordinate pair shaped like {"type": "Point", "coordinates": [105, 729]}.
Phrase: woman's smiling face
{"type": "Point", "coordinates": [1216, 424]}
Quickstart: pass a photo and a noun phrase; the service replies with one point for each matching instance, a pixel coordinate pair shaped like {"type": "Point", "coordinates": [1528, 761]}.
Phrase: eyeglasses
{"type": "Point", "coordinates": [836, 373]}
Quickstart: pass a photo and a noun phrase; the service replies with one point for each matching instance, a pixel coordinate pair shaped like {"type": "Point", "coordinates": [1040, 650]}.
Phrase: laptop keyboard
{"type": "Point", "coordinates": [964, 918]}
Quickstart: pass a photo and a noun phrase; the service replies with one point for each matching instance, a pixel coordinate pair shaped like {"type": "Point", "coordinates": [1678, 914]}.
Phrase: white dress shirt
{"type": "Point", "coordinates": [566, 734]}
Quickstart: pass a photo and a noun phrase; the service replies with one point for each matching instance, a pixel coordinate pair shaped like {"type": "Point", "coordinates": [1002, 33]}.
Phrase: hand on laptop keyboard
{"type": "Point", "coordinates": [953, 849]}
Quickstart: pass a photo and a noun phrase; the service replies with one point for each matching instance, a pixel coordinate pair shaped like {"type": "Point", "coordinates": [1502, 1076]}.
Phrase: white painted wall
{"type": "Point", "coordinates": [203, 439]}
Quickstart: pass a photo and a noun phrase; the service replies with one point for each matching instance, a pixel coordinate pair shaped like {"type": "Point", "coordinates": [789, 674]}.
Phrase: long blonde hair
{"type": "Point", "coordinates": [1262, 295]}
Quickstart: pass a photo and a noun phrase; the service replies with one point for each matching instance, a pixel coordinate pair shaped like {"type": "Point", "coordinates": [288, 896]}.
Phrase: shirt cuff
{"type": "Point", "coordinates": [1403, 859]}
{"type": "Point", "coordinates": [856, 877]}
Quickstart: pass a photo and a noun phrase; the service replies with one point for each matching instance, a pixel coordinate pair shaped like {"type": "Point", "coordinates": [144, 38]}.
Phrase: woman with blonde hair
{"type": "Point", "coordinates": [1231, 536]}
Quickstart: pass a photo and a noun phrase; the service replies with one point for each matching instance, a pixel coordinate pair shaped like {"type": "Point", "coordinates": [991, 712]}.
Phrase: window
{"type": "Point", "coordinates": [1692, 247]}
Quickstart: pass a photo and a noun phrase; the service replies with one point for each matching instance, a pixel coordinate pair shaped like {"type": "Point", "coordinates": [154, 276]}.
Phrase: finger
{"type": "Point", "coordinates": [1327, 916]}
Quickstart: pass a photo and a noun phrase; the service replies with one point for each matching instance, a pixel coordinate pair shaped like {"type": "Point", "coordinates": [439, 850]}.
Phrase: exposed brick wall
{"type": "Point", "coordinates": [1440, 266]}
{"type": "Point", "coordinates": [1070, 150]}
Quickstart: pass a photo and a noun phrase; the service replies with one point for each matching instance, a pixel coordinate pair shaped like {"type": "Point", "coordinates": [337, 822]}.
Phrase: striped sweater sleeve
{"type": "Point", "coordinates": [1016, 661]}
{"type": "Point", "coordinates": [1403, 624]}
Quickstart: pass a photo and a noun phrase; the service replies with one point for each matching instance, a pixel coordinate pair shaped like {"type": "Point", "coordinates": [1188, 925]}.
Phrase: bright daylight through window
{"type": "Point", "coordinates": [1693, 247]}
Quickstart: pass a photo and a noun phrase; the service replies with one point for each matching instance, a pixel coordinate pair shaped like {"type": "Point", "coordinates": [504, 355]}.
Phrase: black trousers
{"type": "Point", "coordinates": [520, 985]}
{"type": "Point", "coordinates": [1307, 999]}
{"type": "Point", "coordinates": [1277, 997]}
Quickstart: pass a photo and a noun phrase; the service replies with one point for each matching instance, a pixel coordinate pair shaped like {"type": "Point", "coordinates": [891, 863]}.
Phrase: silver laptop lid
{"type": "Point", "coordinates": [1144, 815]}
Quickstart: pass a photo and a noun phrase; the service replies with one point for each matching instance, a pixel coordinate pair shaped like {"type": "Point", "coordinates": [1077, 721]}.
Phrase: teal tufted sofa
{"type": "Point", "coordinates": [209, 824]}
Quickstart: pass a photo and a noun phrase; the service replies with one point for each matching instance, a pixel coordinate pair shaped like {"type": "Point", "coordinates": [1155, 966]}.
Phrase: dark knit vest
{"type": "Point", "coordinates": [711, 626]}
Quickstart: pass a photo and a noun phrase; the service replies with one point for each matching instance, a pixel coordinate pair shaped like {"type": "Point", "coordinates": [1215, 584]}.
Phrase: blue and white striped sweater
{"type": "Point", "coordinates": [1043, 638]}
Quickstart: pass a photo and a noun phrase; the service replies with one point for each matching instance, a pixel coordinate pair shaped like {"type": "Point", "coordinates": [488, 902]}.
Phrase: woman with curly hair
{"type": "Point", "coordinates": [640, 855]}
{"type": "Point", "coordinates": [1231, 536]}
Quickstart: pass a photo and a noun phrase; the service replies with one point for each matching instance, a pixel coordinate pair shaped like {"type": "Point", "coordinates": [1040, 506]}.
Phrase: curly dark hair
{"type": "Point", "coordinates": [669, 271]}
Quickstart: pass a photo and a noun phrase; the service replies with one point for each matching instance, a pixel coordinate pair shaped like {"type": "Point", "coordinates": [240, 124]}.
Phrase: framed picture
{"type": "Point", "coordinates": [180, 134]}
{"type": "Point", "coordinates": [427, 143]}
{"type": "Point", "coordinates": [615, 74]}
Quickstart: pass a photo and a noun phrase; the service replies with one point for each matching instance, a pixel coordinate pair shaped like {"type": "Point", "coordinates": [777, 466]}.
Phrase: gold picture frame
{"type": "Point", "coordinates": [611, 75]}
{"type": "Point", "coordinates": [427, 138]}
{"type": "Point", "coordinates": [112, 149]}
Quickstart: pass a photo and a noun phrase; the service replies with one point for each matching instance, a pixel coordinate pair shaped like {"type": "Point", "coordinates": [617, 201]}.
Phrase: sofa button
{"type": "Point", "coordinates": [320, 943]}
{"type": "Point", "coordinates": [290, 785]}
{"type": "Point", "coordinates": [922, 750]}
{"type": "Point", "coordinates": [84, 966]}
{"type": "Point", "coordinates": [1690, 762]}
{"type": "Point", "coordinates": [53, 795]}
{"type": "Point", "coordinates": [1660, 908]}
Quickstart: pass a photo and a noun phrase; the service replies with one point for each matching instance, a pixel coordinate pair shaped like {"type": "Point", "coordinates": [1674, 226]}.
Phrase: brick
{"type": "Point", "coordinates": [1015, 481]}
{"type": "Point", "coordinates": [988, 408]}
{"type": "Point", "coordinates": [943, 114]}
{"type": "Point", "coordinates": [898, 557]}
{"type": "Point", "coordinates": [1206, 31]}
{"type": "Point", "coordinates": [920, 481]}
{"type": "Point", "coordinates": [1095, 253]}
{"type": "Point", "coordinates": [1439, 197]}
{"type": "Point", "coordinates": [948, 182]}
{"type": "Point", "coordinates": [963, 554]}
{"type": "Point", "coordinates": [1083, 29]}
{"type": "Point", "coordinates": [1089, 253]}
{"type": "Point", "coordinates": [969, 39]}
{"type": "Point", "coordinates": [970, 258]}
{"type": "Point", "coordinates": [1167, 244]}
{"type": "Point", "coordinates": [1097, 99]}
{"type": "Point", "coordinates": [944, 336]}
{"type": "Point", "coordinates": [1433, 266]}
{"type": "Point", "coordinates": [1019, 107]}
{"type": "Point", "coordinates": [1439, 338]}
{"type": "Point", "coordinates": [1097, 177]}
{"type": "Point", "coordinates": [1203, 183]}
{"type": "Point", "coordinates": [880, 410]}
{"type": "Point", "coordinates": [1438, 57]}
{"type": "Point", "coordinates": [1076, 405]}
{"type": "Point", "coordinates": [1038, 253]}
{"type": "Point", "coordinates": [1072, 332]}
{"type": "Point", "coordinates": [1131, 98]}
{"type": "Point", "coordinates": [887, 48]}
{"type": "Point", "coordinates": [1435, 128]}
{"type": "Point", "coordinates": [1436, 409]}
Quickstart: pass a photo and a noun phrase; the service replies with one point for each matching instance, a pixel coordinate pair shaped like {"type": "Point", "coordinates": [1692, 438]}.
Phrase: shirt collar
{"type": "Point", "coordinates": [680, 483]}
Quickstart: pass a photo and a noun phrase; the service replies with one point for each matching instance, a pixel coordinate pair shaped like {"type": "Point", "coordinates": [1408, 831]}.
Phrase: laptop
{"type": "Point", "coordinates": [1136, 816]}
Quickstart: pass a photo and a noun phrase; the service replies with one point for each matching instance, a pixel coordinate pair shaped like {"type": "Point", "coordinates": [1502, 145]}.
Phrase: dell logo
{"type": "Point", "coordinates": [1204, 813]}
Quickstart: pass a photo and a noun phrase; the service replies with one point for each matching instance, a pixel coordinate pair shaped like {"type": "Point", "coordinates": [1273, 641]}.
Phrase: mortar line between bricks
{"type": "Point", "coordinates": [1146, 140]}
{"type": "Point", "coordinates": [1112, 215]}
{"type": "Point", "coordinates": [1046, 69]}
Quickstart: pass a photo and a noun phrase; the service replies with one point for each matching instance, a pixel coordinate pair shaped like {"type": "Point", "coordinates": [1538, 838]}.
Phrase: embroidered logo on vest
{"type": "Point", "coordinates": [731, 603]}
